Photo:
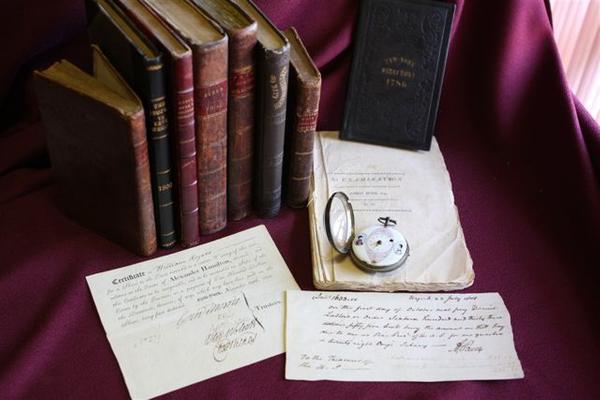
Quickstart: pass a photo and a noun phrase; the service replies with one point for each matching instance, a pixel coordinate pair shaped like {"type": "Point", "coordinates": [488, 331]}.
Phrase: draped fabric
{"type": "Point", "coordinates": [523, 155]}
{"type": "Point", "coordinates": [577, 32]}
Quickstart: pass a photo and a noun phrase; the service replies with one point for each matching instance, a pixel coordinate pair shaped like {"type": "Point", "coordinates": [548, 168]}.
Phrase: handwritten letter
{"type": "Point", "coordinates": [195, 314]}
{"type": "Point", "coordinates": [398, 337]}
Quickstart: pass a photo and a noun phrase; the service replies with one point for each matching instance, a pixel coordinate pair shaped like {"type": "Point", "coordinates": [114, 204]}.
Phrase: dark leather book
{"type": "Point", "coordinates": [96, 137]}
{"type": "Point", "coordinates": [272, 63]}
{"type": "Point", "coordinates": [241, 30]}
{"type": "Point", "coordinates": [177, 59]}
{"type": "Point", "coordinates": [301, 122]}
{"type": "Point", "coordinates": [140, 63]}
{"type": "Point", "coordinates": [209, 51]}
{"type": "Point", "coordinates": [397, 72]}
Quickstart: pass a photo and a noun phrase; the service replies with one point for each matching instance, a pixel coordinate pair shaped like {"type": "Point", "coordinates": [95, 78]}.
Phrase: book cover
{"type": "Point", "coordinates": [301, 122]}
{"type": "Point", "coordinates": [397, 72]}
{"type": "Point", "coordinates": [140, 63]}
{"type": "Point", "coordinates": [96, 137]}
{"type": "Point", "coordinates": [241, 30]}
{"type": "Point", "coordinates": [209, 46]}
{"type": "Point", "coordinates": [177, 58]}
{"type": "Point", "coordinates": [272, 61]}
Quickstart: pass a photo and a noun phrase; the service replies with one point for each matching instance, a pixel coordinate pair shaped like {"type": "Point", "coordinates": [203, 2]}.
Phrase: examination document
{"type": "Point", "coordinates": [179, 319]}
{"type": "Point", "coordinates": [350, 336]}
{"type": "Point", "coordinates": [411, 187]}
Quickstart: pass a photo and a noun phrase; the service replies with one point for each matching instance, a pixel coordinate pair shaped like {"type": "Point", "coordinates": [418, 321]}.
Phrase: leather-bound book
{"type": "Point", "coordinates": [301, 124]}
{"type": "Point", "coordinates": [177, 58]}
{"type": "Point", "coordinates": [397, 72]}
{"type": "Point", "coordinates": [271, 98]}
{"type": "Point", "coordinates": [96, 137]}
{"type": "Point", "coordinates": [209, 51]}
{"type": "Point", "coordinates": [140, 63]}
{"type": "Point", "coordinates": [240, 115]}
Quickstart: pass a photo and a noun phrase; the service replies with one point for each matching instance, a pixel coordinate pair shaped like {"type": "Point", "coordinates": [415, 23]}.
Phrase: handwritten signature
{"type": "Point", "coordinates": [233, 334]}
{"type": "Point", "coordinates": [466, 346]}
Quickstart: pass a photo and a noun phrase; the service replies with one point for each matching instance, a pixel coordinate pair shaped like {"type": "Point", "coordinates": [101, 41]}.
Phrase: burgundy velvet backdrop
{"type": "Point", "coordinates": [522, 153]}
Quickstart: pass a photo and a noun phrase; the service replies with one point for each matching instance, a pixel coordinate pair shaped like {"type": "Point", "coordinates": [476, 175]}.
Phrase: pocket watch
{"type": "Point", "coordinates": [378, 248]}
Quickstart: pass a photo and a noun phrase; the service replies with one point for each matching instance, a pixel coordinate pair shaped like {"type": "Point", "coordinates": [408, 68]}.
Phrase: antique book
{"type": "Point", "coordinates": [411, 187]}
{"type": "Point", "coordinates": [271, 99]}
{"type": "Point", "coordinates": [96, 137]}
{"type": "Point", "coordinates": [240, 115]}
{"type": "Point", "coordinates": [209, 46]}
{"type": "Point", "coordinates": [397, 72]}
{"type": "Point", "coordinates": [177, 59]}
{"type": "Point", "coordinates": [140, 63]}
{"type": "Point", "coordinates": [301, 122]}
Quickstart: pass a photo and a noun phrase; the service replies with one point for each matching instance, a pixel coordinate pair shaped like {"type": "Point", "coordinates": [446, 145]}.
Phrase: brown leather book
{"type": "Point", "coordinates": [96, 137]}
{"type": "Point", "coordinates": [271, 99]}
{"type": "Point", "coordinates": [209, 51]}
{"type": "Point", "coordinates": [177, 58]}
{"type": "Point", "coordinates": [303, 112]}
{"type": "Point", "coordinates": [242, 40]}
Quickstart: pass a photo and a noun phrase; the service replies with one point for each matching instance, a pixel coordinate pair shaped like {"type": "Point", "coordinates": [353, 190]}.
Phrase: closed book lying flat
{"type": "Point", "coordinates": [140, 63]}
{"type": "Point", "coordinates": [209, 48]}
{"type": "Point", "coordinates": [301, 122]}
{"type": "Point", "coordinates": [271, 99]}
{"type": "Point", "coordinates": [241, 30]}
{"type": "Point", "coordinates": [96, 137]}
{"type": "Point", "coordinates": [177, 58]}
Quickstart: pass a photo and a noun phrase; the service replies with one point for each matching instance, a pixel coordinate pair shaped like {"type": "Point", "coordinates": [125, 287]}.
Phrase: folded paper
{"type": "Point", "coordinates": [195, 314]}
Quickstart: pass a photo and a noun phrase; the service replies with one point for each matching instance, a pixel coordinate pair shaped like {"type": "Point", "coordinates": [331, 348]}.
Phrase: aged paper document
{"type": "Point", "coordinates": [349, 336]}
{"type": "Point", "coordinates": [195, 314]}
{"type": "Point", "coordinates": [411, 187]}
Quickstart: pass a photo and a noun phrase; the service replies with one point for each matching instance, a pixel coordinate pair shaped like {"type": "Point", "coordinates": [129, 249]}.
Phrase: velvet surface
{"type": "Point", "coordinates": [523, 155]}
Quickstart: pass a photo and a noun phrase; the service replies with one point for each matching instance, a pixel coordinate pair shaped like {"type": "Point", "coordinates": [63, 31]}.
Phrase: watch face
{"type": "Point", "coordinates": [380, 248]}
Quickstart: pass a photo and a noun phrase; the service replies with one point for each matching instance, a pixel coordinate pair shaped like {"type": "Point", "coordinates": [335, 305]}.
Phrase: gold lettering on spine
{"type": "Point", "coordinates": [158, 112]}
{"type": "Point", "coordinates": [185, 108]}
{"type": "Point", "coordinates": [213, 99]}
{"type": "Point", "coordinates": [167, 186]}
{"type": "Point", "coordinates": [279, 87]}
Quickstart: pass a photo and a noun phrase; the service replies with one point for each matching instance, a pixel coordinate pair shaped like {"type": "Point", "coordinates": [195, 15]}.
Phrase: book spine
{"type": "Point", "coordinates": [145, 217]}
{"type": "Point", "coordinates": [210, 97]}
{"type": "Point", "coordinates": [302, 141]}
{"type": "Point", "coordinates": [270, 132]}
{"type": "Point", "coordinates": [241, 122]}
{"type": "Point", "coordinates": [180, 106]}
{"type": "Point", "coordinates": [182, 88]}
{"type": "Point", "coordinates": [160, 160]}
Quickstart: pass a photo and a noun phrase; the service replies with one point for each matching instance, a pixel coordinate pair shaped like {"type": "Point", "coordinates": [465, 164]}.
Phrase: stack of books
{"type": "Point", "coordinates": [186, 123]}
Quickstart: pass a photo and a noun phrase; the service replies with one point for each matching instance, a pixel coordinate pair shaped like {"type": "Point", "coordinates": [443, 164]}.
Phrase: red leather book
{"type": "Point", "coordinates": [177, 58]}
{"type": "Point", "coordinates": [241, 30]}
{"type": "Point", "coordinates": [96, 137]}
{"type": "Point", "coordinates": [209, 50]}
{"type": "Point", "coordinates": [303, 111]}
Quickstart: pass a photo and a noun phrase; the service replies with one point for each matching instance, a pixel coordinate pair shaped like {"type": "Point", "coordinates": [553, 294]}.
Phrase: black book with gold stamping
{"type": "Point", "coordinates": [397, 72]}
